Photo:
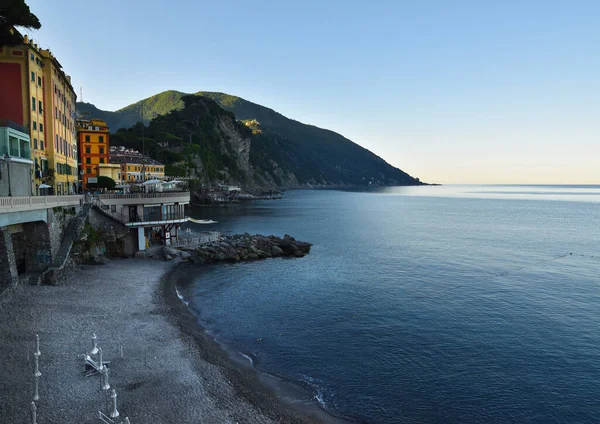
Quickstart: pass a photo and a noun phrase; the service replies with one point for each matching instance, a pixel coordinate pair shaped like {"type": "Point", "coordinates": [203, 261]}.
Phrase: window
{"type": "Point", "coordinates": [101, 138]}
{"type": "Point", "coordinates": [33, 104]}
{"type": "Point", "coordinates": [89, 170]}
{"type": "Point", "coordinates": [101, 150]}
{"type": "Point", "coordinates": [56, 142]}
{"type": "Point", "coordinates": [31, 56]}
{"type": "Point", "coordinates": [35, 145]}
{"type": "Point", "coordinates": [101, 160]}
{"type": "Point", "coordinates": [87, 150]}
{"type": "Point", "coordinates": [40, 106]}
{"type": "Point", "coordinates": [87, 138]}
{"type": "Point", "coordinates": [88, 160]}
{"type": "Point", "coordinates": [42, 144]}
{"type": "Point", "coordinates": [41, 127]}
{"type": "Point", "coordinates": [32, 76]}
{"type": "Point", "coordinates": [34, 125]}
{"type": "Point", "coordinates": [40, 81]}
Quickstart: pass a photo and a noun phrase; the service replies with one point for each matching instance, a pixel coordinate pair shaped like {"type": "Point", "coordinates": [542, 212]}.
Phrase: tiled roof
{"type": "Point", "coordinates": [122, 158]}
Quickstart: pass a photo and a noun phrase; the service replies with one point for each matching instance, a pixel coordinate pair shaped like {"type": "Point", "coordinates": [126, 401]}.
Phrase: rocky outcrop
{"type": "Point", "coordinates": [241, 247]}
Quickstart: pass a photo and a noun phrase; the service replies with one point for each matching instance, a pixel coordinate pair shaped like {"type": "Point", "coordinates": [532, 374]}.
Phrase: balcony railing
{"type": "Point", "coordinates": [155, 195]}
{"type": "Point", "coordinates": [15, 126]}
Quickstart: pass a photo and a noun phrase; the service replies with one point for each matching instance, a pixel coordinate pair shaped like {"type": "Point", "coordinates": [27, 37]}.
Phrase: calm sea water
{"type": "Point", "coordinates": [463, 304]}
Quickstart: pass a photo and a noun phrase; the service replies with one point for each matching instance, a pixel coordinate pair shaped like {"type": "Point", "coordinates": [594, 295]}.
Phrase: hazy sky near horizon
{"type": "Point", "coordinates": [464, 91]}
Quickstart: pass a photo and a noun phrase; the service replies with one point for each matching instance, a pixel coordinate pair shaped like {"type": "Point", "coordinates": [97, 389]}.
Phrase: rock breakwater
{"type": "Point", "coordinates": [241, 247]}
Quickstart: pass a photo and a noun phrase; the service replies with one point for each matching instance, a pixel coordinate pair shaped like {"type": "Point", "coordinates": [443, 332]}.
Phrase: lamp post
{"type": "Point", "coordinates": [7, 160]}
{"type": "Point", "coordinates": [81, 178]}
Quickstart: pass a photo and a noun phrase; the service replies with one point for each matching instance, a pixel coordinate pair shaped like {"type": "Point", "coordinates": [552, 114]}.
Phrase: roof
{"type": "Point", "coordinates": [137, 159]}
{"type": "Point", "coordinates": [120, 154]}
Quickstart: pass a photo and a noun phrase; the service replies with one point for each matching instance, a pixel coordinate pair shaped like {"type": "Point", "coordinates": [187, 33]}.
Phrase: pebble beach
{"type": "Point", "coordinates": [163, 367]}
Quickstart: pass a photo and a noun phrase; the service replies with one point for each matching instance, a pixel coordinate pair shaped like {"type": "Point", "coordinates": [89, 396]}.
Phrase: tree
{"type": "Point", "coordinates": [15, 13]}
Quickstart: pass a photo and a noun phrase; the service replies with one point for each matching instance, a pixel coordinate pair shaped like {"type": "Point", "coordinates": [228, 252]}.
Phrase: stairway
{"type": "Point", "coordinates": [71, 233]}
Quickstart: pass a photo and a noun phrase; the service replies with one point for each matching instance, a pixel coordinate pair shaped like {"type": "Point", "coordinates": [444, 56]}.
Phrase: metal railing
{"type": "Point", "coordinates": [148, 216]}
{"type": "Point", "coordinates": [15, 126]}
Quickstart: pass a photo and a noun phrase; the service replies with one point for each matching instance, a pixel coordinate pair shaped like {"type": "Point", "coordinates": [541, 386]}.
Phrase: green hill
{"type": "Point", "coordinates": [285, 149]}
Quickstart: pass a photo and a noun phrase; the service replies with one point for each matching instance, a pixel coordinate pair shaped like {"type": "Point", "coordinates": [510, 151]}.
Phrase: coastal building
{"type": "Point", "coordinates": [153, 218]}
{"type": "Point", "coordinates": [135, 167]}
{"type": "Point", "coordinates": [93, 140]}
{"type": "Point", "coordinates": [15, 160]}
{"type": "Point", "coordinates": [38, 95]}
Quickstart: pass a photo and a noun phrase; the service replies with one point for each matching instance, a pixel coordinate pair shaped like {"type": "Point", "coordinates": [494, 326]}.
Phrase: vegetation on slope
{"type": "Point", "coordinates": [279, 146]}
{"type": "Point", "coordinates": [190, 141]}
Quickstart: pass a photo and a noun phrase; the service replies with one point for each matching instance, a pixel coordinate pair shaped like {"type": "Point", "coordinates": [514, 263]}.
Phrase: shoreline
{"type": "Point", "coordinates": [281, 399]}
{"type": "Point", "coordinates": [160, 374]}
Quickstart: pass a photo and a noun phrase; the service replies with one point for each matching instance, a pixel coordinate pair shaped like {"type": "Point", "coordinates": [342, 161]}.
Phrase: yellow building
{"type": "Point", "coordinates": [37, 94]}
{"type": "Point", "coordinates": [110, 170]}
{"type": "Point", "coordinates": [135, 167]}
{"type": "Point", "coordinates": [93, 137]}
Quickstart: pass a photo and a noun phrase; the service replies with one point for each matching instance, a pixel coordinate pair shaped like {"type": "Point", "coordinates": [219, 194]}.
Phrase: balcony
{"type": "Point", "coordinates": [145, 209]}
{"type": "Point", "coordinates": [181, 197]}
{"type": "Point", "coordinates": [15, 126]}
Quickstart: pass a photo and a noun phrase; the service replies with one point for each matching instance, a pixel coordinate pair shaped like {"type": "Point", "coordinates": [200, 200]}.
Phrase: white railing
{"type": "Point", "coordinates": [154, 195]}
{"type": "Point", "coordinates": [16, 203]}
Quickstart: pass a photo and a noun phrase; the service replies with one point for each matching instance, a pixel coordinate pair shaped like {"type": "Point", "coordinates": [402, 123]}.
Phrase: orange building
{"type": "Point", "coordinates": [93, 138]}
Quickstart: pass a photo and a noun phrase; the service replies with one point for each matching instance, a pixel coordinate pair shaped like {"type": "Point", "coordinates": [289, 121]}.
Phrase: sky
{"type": "Point", "coordinates": [450, 91]}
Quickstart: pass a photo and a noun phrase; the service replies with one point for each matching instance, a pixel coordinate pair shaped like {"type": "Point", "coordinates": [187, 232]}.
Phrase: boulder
{"type": "Point", "coordinates": [276, 251]}
{"type": "Point", "coordinates": [170, 251]}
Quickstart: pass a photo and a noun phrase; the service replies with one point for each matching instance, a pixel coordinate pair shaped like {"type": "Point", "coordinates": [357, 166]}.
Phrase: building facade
{"type": "Point", "coordinates": [93, 139]}
{"type": "Point", "coordinates": [153, 218]}
{"type": "Point", "coordinates": [15, 160]}
{"type": "Point", "coordinates": [110, 170]}
{"type": "Point", "coordinates": [136, 167]}
{"type": "Point", "coordinates": [38, 95]}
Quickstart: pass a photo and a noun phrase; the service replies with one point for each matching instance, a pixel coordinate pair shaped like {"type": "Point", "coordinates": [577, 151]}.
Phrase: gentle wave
{"type": "Point", "coordinates": [181, 297]}
{"type": "Point", "coordinates": [317, 386]}
{"type": "Point", "coordinates": [247, 357]}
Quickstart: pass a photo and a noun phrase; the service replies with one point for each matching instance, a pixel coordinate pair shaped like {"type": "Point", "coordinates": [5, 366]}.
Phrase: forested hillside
{"type": "Point", "coordinates": [219, 137]}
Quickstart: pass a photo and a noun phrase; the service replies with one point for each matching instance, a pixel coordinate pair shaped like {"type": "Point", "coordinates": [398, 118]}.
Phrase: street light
{"type": "Point", "coordinates": [7, 160]}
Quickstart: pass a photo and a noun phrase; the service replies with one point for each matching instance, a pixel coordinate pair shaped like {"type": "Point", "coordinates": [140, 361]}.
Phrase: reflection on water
{"type": "Point", "coordinates": [587, 193]}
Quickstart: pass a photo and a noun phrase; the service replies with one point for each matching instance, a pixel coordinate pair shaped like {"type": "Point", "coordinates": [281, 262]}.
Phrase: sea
{"type": "Point", "coordinates": [431, 304]}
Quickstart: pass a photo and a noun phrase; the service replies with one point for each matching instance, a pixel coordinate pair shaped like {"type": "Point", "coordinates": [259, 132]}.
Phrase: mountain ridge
{"type": "Point", "coordinates": [306, 154]}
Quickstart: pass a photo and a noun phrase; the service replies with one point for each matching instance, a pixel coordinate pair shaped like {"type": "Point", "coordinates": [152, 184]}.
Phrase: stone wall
{"type": "Point", "coordinates": [39, 249]}
{"type": "Point", "coordinates": [58, 220]}
{"type": "Point", "coordinates": [117, 239]}
{"type": "Point", "coordinates": [31, 246]}
{"type": "Point", "coordinates": [8, 266]}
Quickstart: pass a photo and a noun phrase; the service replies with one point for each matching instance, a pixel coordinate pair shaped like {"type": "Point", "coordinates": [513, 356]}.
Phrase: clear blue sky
{"type": "Point", "coordinates": [451, 91]}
